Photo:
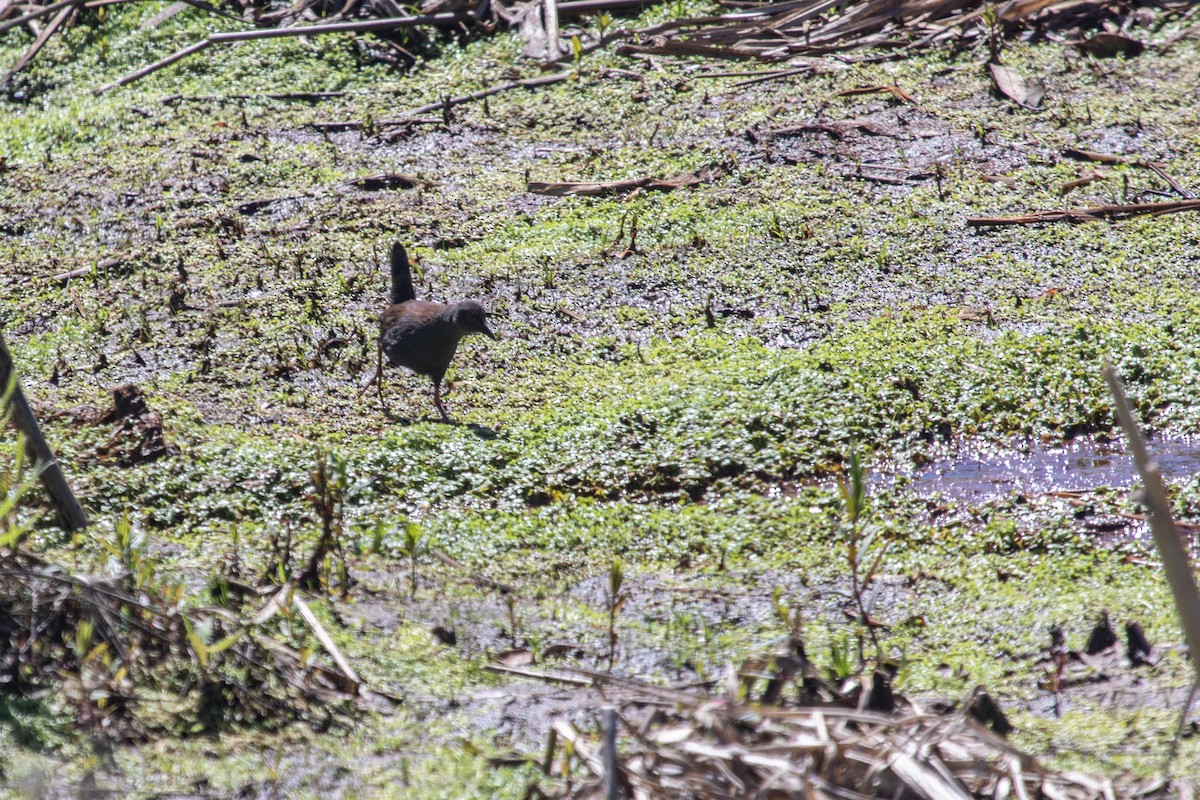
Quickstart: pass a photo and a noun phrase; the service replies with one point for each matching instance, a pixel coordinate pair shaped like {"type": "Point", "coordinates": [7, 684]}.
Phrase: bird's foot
{"type": "Point", "coordinates": [437, 401]}
{"type": "Point", "coordinates": [374, 380]}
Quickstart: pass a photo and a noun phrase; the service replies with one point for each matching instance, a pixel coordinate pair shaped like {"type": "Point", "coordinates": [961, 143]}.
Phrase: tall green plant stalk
{"type": "Point", "coordinates": [414, 545]}
{"type": "Point", "coordinates": [616, 599]}
{"type": "Point", "coordinates": [860, 542]}
{"type": "Point", "coordinates": [329, 480]}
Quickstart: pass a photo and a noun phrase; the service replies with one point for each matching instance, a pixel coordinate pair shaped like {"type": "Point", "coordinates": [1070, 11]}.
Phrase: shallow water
{"type": "Point", "coordinates": [1080, 466]}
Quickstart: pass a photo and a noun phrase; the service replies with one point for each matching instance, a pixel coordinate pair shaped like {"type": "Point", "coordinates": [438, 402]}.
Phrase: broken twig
{"type": "Point", "coordinates": [1176, 564]}
{"type": "Point", "coordinates": [1088, 213]}
{"type": "Point", "coordinates": [70, 513]}
{"type": "Point", "coordinates": [350, 677]}
{"type": "Point", "coordinates": [593, 189]}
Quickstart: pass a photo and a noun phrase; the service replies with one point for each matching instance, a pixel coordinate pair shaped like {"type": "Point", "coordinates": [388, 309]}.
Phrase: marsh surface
{"type": "Point", "coordinates": [685, 404]}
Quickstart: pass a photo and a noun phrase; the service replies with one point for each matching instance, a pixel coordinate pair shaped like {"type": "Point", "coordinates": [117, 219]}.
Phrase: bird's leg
{"type": "Point", "coordinates": [379, 371]}
{"type": "Point", "coordinates": [377, 378]}
{"type": "Point", "coordinates": [437, 400]}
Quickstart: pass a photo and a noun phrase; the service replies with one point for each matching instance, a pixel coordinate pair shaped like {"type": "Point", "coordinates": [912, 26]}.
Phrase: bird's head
{"type": "Point", "coordinates": [471, 317]}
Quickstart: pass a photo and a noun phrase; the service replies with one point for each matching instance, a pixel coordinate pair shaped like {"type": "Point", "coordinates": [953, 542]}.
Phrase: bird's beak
{"type": "Point", "coordinates": [488, 332]}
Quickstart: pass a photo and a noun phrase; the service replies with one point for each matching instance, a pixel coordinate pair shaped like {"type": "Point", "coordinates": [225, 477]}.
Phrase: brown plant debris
{"type": "Point", "coordinates": [693, 745]}
{"type": "Point", "coordinates": [793, 30]}
{"type": "Point", "coordinates": [593, 189]}
{"type": "Point", "coordinates": [1109, 45]}
{"type": "Point", "coordinates": [1025, 92]}
{"type": "Point", "coordinates": [389, 181]}
{"type": "Point", "coordinates": [893, 90]}
{"type": "Point", "coordinates": [106, 643]}
{"type": "Point", "coordinates": [1088, 213]}
{"type": "Point", "coordinates": [138, 438]}
{"type": "Point", "coordinates": [803, 28]}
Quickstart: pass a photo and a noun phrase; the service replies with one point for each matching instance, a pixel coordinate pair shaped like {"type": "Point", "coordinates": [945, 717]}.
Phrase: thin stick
{"type": "Point", "coordinates": [537, 676]}
{"type": "Point", "coordinates": [70, 514]}
{"type": "Point", "coordinates": [567, 732]}
{"type": "Point", "coordinates": [209, 8]}
{"type": "Point", "coordinates": [1175, 561]}
{"type": "Point", "coordinates": [1183, 715]}
{"type": "Point", "coordinates": [310, 97]}
{"type": "Point", "coordinates": [1162, 173]}
{"type": "Point", "coordinates": [611, 785]}
{"type": "Point", "coordinates": [27, 57]}
{"type": "Point", "coordinates": [589, 6]}
{"type": "Point", "coordinates": [550, 9]}
{"type": "Point", "coordinates": [157, 65]}
{"type": "Point", "coordinates": [528, 83]}
{"type": "Point", "coordinates": [591, 189]}
{"type": "Point", "coordinates": [387, 23]}
{"type": "Point", "coordinates": [241, 36]}
{"type": "Point", "coordinates": [350, 678]}
{"type": "Point", "coordinates": [551, 744]}
{"type": "Point", "coordinates": [41, 12]}
{"type": "Point", "coordinates": [741, 73]}
{"type": "Point", "coordinates": [75, 273]}
{"type": "Point", "coordinates": [384, 24]}
{"type": "Point", "coordinates": [1088, 213]}
{"type": "Point", "coordinates": [774, 75]}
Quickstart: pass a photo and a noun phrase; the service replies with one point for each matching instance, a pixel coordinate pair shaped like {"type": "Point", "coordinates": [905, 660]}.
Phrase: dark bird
{"type": "Point", "coordinates": [421, 335]}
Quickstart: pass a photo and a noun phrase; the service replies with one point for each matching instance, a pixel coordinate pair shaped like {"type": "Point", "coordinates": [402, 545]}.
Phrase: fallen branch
{"type": "Point", "coordinates": [388, 180]}
{"type": "Point", "coordinates": [1109, 158]}
{"type": "Point", "coordinates": [32, 15]}
{"type": "Point", "coordinates": [772, 75]}
{"type": "Point", "coordinates": [1176, 564]}
{"type": "Point", "coordinates": [364, 26]}
{"type": "Point", "coordinates": [70, 513]}
{"type": "Point", "coordinates": [893, 90]}
{"type": "Point", "coordinates": [451, 102]}
{"type": "Point", "coordinates": [592, 6]}
{"type": "Point", "coordinates": [155, 67]}
{"type": "Point", "coordinates": [254, 206]}
{"type": "Point", "coordinates": [553, 46]}
{"type": "Point", "coordinates": [908, 179]}
{"type": "Point", "coordinates": [545, 677]}
{"type": "Point", "coordinates": [101, 266]}
{"type": "Point", "coordinates": [308, 97]}
{"type": "Point", "coordinates": [351, 681]}
{"type": "Point", "coordinates": [62, 277]}
{"type": "Point", "coordinates": [412, 116]}
{"type": "Point", "coordinates": [388, 23]}
{"type": "Point", "coordinates": [1088, 213]}
{"type": "Point", "coordinates": [27, 57]}
{"type": "Point", "coordinates": [593, 189]}
{"type": "Point", "coordinates": [1169, 180]}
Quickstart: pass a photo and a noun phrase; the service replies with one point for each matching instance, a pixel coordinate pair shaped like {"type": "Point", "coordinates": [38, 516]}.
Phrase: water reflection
{"type": "Point", "coordinates": [1080, 466]}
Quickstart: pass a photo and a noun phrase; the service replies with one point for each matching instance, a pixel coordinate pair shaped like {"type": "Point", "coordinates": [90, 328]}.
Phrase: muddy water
{"type": "Point", "coordinates": [1079, 466]}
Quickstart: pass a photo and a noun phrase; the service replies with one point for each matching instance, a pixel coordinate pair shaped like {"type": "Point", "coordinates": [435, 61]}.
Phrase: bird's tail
{"type": "Point", "coordinates": [402, 285]}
